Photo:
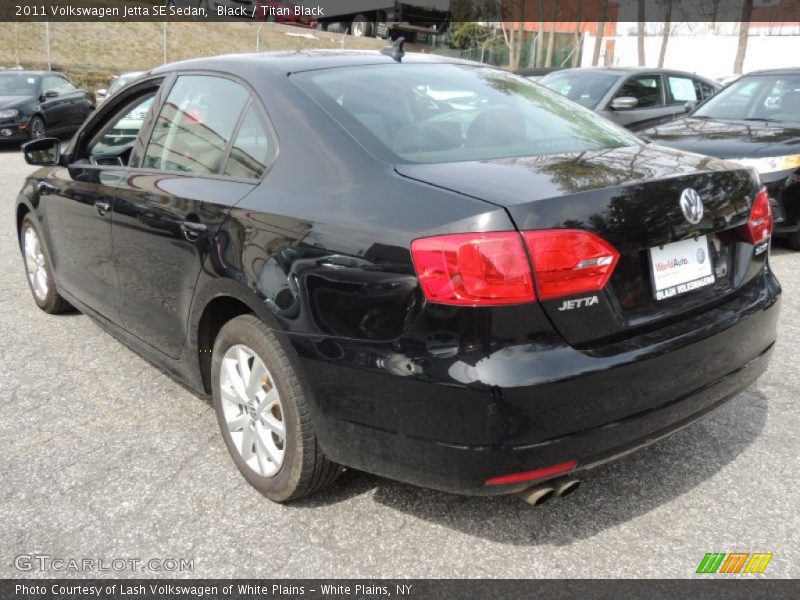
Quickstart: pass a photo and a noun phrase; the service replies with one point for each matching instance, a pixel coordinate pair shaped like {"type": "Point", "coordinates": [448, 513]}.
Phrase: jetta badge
{"type": "Point", "coordinates": [692, 206]}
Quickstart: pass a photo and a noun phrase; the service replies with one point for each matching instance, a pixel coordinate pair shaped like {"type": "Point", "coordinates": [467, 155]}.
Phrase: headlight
{"type": "Point", "coordinates": [9, 113]}
{"type": "Point", "coordinates": [770, 164]}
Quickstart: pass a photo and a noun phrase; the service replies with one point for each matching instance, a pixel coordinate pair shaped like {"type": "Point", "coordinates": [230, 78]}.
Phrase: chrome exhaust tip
{"type": "Point", "coordinates": [564, 487]}
{"type": "Point", "coordinates": [537, 495]}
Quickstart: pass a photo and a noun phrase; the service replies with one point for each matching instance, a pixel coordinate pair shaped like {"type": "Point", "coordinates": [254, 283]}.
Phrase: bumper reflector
{"type": "Point", "coordinates": [531, 475]}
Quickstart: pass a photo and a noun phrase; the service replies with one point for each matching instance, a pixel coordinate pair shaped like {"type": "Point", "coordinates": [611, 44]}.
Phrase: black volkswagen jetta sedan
{"type": "Point", "coordinates": [34, 104]}
{"type": "Point", "coordinates": [484, 294]}
{"type": "Point", "coordinates": [756, 122]}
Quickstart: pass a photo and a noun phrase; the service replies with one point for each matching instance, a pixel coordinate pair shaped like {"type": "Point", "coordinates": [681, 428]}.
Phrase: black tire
{"type": "Point", "coordinates": [304, 469]}
{"type": "Point", "coordinates": [51, 302]}
{"type": "Point", "coordinates": [794, 240]}
{"type": "Point", "coordinates": [362, 27]}
{"type": "Point", "coordinates": [36, 128]}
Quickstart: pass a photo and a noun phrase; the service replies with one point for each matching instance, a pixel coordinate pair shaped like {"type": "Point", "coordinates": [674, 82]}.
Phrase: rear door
{"type": "Point", "coordinates": [207, 150]}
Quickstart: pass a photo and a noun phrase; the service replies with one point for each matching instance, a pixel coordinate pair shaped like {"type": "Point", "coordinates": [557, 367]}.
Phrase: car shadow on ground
{"type": "Point", "coordinates": [609, 495]}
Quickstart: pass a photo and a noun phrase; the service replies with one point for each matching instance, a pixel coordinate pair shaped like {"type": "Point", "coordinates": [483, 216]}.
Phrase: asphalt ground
{"type": "Point", "coordinates": [102, 456]}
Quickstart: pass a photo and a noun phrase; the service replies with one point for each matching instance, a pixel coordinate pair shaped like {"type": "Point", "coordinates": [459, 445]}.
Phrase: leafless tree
{"type": "Point", "coordinates": [601, 26]}
{"type": "Point", "coordinates": [665, 33]}
{"type": "Point", "coordinates": [576, 45]}
{"type": "Point", "coordinates": [551, 40]}
{"type": "Point", "coordinates": [640, 32]}
{"type": "Point", "coordinates": [539, 31]}
{"type": "Point", "coordinates": [744, 29]}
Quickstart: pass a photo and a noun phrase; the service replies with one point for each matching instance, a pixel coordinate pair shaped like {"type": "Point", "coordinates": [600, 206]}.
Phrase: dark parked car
{"type": "Point", "coordinates": [479, 297]}
{"type": "Point", "coordinates": [633, 97]}
{"type": "Point", "coordinates": [755, 121]}
{"type": "Point", "coordinates": [34, 104]}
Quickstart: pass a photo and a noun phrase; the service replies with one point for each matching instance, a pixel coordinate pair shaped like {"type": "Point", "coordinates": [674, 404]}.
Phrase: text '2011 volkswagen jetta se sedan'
{"type": "Point", "coordinates": [426, 269]}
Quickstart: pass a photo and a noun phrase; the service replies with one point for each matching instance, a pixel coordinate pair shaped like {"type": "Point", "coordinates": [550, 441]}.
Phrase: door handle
{"type": "Point", "coordinates": [45, 188]}
{"type": "Point", "coordinates": [192, 230]}
{"type": "Point", "coordinates": [102, 207]}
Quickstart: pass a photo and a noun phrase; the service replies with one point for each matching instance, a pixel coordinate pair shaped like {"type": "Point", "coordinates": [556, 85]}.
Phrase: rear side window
{"type": "Point", "coordinates": [433, 113]}
{"type": "Point", "coordinates": [196, 125]}
{"type": "Point", "coordinates": [683, 89]}
{"type": "Point", "coordinates": [647, 89]}
{"type": "Point", "coordinates": [252, 149]}
{"type": "Point", "coordinates": [708, 90]}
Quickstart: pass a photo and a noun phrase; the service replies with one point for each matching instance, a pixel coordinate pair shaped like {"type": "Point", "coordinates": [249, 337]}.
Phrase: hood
{"type": "Point", "coordinates": [528, 179]}
{"type": "Point", "coordinates": [13, 101]}
{"type": "Point", "coordinates": [728, 139]}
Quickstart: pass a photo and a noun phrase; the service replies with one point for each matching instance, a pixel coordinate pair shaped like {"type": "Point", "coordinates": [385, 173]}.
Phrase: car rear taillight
{"type": "Point", "coordinates": [759, 224]}
{"type": "Point", "coordinates": [488, 269]}
{"type": "Point", "coordinates": [474, 268]}
{"type": "Point", "coordinates": [567, 262]}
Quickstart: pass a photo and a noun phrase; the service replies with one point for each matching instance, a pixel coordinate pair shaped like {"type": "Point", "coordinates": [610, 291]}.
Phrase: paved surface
{"type": "Point", "coordinates": [103, 456]}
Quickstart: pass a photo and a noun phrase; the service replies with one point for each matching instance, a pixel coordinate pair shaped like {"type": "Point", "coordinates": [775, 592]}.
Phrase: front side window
{"type": "Point", "coordinates": [113, 143]}
{"type": "Point", "coordinates": [56, 84]}
{"type": "Point", "coordinates": [647, 89]}
{"type": "Point", "coordinates": [444, 112]}
{"type": "Point", "coordinates": [195, 125]}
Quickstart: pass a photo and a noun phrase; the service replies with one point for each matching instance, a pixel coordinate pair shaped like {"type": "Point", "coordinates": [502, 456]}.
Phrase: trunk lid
{"type": "Point", "coordinates": [631, 198]}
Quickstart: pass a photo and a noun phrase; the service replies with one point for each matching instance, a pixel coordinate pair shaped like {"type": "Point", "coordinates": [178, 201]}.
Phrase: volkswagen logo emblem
{"type": "Point", "coordinates": [692, 206]}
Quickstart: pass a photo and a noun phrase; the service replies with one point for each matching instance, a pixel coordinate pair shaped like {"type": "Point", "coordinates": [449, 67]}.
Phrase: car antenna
{"type": "Point", "coordinates": [395, 49]}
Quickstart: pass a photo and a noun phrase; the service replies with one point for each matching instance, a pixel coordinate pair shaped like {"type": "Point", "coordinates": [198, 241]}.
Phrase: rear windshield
{"type": "Point", "coordinates": [18, 84]}
{"type": "Point", "coordinates": [585, 87]}
{"type": "Point", "coordinates": [437, 113]}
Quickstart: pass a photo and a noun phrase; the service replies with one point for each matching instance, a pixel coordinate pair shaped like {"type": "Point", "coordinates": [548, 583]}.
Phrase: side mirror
{"type": "Point", "coordinates": [624, 103]}
{"type": "Point", "coordinates": [49, 94]}
{"type": "Point", "coordinates": [689, 106]}
{"type": "Point", "coordinates": [45, 152]}
{"type": "Point", "coordinates": [101, 93]}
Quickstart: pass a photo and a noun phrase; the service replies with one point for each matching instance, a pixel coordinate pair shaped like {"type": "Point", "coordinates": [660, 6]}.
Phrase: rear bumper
{"type": "Point", "coordinates": [537, 406]}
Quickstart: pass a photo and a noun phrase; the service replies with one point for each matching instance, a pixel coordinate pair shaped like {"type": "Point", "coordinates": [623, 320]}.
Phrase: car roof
{"type": "Point", "coordinates": [629, 70]}
{"type": "Point", "coordinates": [781, 71]}
{"type": "Point", "coordinates": [306, 60]}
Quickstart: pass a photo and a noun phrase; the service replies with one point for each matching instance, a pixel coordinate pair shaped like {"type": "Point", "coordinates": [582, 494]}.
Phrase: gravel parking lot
{"type": "Point", "coordinates": [103, 456]}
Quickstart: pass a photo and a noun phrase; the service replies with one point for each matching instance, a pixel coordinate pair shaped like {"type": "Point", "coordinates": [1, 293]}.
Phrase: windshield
{"type": "Point", "coordinates": [760, 97]}
{"type": "Point", "coordinates": [18, 84]}
{"type": "Point", "coordinates": [584, 87]}
{"type": "Point", "coordinates": [438, 113]}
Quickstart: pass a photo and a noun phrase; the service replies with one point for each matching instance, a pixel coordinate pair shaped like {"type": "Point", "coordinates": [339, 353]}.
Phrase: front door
{"type": "Point", "coordinates": [80, 201]}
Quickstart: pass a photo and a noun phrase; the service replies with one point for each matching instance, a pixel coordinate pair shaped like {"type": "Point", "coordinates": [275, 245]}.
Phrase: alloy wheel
{"type": "Point", "coordinates": [37, 129]}
{"type": "Point", "coordinates": [35, 263]}
{"type": "Point", "coordinates": [252, 410]}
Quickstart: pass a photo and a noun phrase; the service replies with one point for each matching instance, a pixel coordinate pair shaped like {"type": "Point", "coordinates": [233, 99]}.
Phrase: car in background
{"type": "Point", "coordinates": [483, 296]}
{"type": "Point", "coordinates": [37, 104]}
{"type": "Point", "coordinates": [117, 83]}
{"type": "Point", "coordinates": [755, 121]}
{"type": "Point", "coordinates": [536, 73]}
{"type": "Point", "coordinates": [635, 98]}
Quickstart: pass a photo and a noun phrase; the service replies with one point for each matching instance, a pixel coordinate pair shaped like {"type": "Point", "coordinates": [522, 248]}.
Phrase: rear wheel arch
{"type": "Point", "coordinates": [216, 312]}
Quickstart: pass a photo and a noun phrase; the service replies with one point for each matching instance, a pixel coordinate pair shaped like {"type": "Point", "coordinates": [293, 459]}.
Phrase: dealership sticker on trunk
{"type": "Point", "coordinates": [681, 267]}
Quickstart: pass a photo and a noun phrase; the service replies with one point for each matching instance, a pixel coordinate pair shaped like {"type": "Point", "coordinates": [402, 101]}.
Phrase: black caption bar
{"type": "Point", "coordinates": [404, 589]}
{"type": "Point", "coordinates": [487, 11]}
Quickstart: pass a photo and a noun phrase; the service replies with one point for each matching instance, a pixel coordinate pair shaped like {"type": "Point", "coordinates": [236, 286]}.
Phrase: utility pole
{"type": "Point", "coordinates": [164, 28]}
{"type": "Point", "coordinates": [258, 37]}
{"type": "Point", "coordinates": [47, 41]}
